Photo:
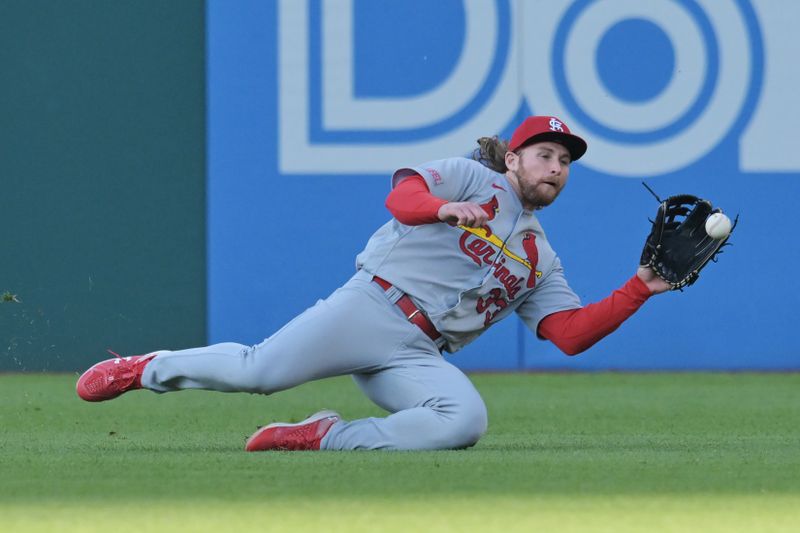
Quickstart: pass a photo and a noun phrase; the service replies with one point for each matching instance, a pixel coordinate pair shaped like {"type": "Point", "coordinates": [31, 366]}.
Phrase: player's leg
{"type": "Point", "coordinates": [433, 405]}
{"type": "Point", "coordinates": [354, 330]}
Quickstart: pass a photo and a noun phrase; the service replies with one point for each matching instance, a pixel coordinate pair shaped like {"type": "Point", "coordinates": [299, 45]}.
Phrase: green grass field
{"type": "Point", "coordinates": [564, 452]}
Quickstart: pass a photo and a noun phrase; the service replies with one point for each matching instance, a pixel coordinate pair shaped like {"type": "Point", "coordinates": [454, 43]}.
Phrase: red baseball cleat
{"type": "Point", "coordinates": [305, 435]}
{"type": "Point", "coordinates": [110, 378]}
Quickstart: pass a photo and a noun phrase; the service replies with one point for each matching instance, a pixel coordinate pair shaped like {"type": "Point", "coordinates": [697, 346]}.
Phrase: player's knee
{"type": "Point", "coordinates": [466, 425]}
{"type": "Point", "coordinates": [474, 426]}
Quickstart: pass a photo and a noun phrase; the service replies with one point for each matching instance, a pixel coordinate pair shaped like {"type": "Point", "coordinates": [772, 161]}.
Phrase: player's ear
{"type": "Point", "coordinates": [512, 161]}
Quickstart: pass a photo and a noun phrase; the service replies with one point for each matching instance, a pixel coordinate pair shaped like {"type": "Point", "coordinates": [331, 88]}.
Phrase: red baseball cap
{"type": "Point", "coordinates": [543, 128]}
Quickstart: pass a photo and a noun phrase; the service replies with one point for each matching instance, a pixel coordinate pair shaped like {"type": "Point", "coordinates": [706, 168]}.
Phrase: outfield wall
{"type": "Point", "coordinates": [312, 104]}
{"type": "Point", "coordinates": [102, 179]}
{"type": "Point", "coordinates": [115, 231]}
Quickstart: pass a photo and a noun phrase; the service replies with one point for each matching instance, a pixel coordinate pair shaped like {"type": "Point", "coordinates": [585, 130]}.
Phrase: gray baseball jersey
{"type": "Point", "coordinates": [466, 279]}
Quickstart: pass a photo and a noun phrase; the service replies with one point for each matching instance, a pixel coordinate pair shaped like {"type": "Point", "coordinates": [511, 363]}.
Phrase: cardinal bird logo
{"type": "Point", "coordinates": [492, 207]}
{"type": "Point", "coordinates": [529, 245]}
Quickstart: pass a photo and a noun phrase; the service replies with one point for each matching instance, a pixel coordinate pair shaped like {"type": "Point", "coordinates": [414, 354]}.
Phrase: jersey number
{"type": "Point", "coordinates": [495, 298]}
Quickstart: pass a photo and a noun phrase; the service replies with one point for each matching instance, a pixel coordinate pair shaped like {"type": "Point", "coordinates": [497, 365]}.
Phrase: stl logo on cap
{"type": "Point", "coordinates": [555, 124]}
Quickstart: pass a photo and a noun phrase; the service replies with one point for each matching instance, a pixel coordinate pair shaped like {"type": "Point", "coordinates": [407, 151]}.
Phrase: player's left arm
{"type": "Point", "coordinates": [651, 279]}
{"type": "Point", "coordinates": [554, 312]}
{"type": "Point", "coordinates": [576, 330]}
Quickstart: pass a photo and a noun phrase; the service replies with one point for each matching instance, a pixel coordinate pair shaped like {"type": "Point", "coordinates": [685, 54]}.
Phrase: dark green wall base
{"type": "Point", "coordinates": [102, 180]}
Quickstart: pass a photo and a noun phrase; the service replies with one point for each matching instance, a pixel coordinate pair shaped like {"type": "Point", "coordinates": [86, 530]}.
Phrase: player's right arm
{"type": "Point", "coordinates": [412, 203]}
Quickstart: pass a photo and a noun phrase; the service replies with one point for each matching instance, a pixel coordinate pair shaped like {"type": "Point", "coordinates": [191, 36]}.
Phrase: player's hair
{"type": "Point", "coordinates": [491, 152]}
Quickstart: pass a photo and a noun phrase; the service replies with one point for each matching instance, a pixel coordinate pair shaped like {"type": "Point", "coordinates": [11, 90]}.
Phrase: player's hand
{"type": "Point", "coordinates": [651, 279]}
{"type": "Point", "coordinates": [467, 214]}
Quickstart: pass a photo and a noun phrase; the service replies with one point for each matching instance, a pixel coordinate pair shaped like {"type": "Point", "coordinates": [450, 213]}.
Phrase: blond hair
{"type": "Point", "coordinates": [491, 152]}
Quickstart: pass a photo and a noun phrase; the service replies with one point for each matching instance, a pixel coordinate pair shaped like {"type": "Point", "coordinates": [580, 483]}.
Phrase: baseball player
{"type": "Point", "coordinates": [463, 251]}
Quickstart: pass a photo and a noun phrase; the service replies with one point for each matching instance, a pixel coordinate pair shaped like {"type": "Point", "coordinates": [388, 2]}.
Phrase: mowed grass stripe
{"type": "Point", "coordinates": [446, 513]}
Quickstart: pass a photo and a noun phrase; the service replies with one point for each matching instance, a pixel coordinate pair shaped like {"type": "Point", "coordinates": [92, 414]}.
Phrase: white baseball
{"type": "Point", "coordinates": [718, 226]}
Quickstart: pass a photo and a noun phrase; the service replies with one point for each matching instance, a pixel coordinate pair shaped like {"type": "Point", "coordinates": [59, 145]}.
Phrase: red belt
{"type": "Point", "coordinates": [412, 312]}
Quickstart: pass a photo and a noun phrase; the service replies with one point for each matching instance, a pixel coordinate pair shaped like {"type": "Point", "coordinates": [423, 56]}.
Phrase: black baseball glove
{"type": "Point", "coordinates": [678, 247]}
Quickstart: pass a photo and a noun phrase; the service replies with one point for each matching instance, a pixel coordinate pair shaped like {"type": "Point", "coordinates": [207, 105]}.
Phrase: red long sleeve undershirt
{"type": "Point", "coordinates": [572, 331]}
{"type": "Point", "coordinates": [412, 203]}
{"type": "Point", "coordinates": [577, 330]}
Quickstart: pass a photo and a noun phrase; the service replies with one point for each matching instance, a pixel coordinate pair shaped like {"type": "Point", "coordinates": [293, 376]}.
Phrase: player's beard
{"type": "Point", "coordinates": [537, 195]}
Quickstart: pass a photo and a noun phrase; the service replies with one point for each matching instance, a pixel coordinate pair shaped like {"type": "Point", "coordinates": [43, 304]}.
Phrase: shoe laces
{"type": "Point", "coordinates": [139, 360]}
{"type": "Point", "coordinates": [129, 368]}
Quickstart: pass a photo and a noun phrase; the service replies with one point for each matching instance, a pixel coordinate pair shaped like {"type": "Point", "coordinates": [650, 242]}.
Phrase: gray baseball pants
{"type": "Point", "coordinates": [357, 330]}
